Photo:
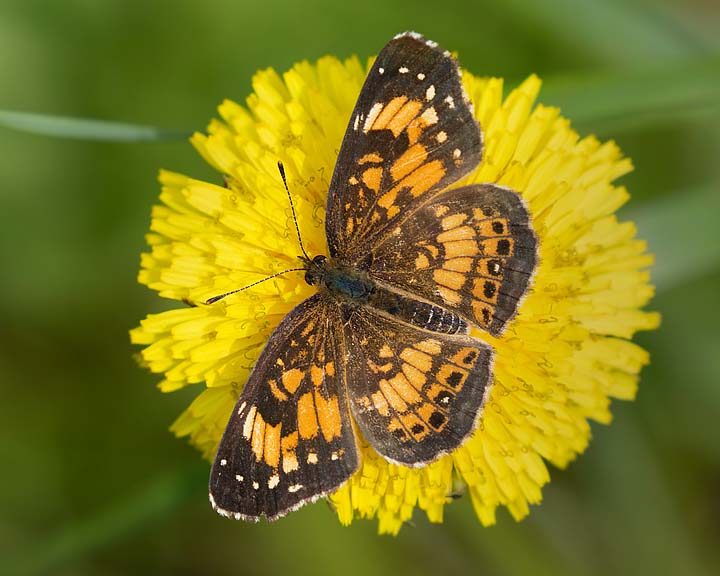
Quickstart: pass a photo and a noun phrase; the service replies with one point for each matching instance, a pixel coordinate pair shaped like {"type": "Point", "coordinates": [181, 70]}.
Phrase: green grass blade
{"type": "Point", "coordinates": [611, 103]}
{"type": "Point", "coordinates": [681, 230]}
{"type": "Point", "coordinates": [86, 129]}
{"type": "Point", "coordinates": [75, 541]}
{"type": "Point", "coordinates": [649, 34]}
{"type": "Point", "coordinates": [604, 104]}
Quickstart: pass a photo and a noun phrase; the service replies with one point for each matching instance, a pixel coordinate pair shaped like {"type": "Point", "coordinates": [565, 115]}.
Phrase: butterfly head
{"type": "Point", "coordinates": [341, 281]}
{"type": "Point", "coordinates": [315, 269]}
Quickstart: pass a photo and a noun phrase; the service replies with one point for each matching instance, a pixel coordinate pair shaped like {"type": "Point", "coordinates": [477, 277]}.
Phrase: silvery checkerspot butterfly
{"type": "Point", "coordinates": [383, 348]}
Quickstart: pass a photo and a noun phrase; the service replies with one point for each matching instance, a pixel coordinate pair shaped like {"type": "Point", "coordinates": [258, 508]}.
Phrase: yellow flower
{"type": "Point", "coordinates": [559, 363]}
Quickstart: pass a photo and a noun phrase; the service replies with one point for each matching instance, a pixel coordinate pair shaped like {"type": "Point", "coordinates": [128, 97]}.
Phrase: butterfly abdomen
{"type": "Point", "coordinates": [418, 313]}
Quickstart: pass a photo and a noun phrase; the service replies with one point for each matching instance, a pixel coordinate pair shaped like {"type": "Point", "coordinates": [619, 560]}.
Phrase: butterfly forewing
{"type": "Point", "coordinates": [412, 133]}
{"type": "Point", "coordinates": [415, 394]}
{"type": "Point", "coordinates": [289, 439]}
{"type": "Point", "coordinates": [471, 250]}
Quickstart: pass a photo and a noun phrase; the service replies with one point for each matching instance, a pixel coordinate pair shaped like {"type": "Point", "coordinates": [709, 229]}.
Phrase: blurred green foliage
{"type": "Point", "coordinates": [92, 481]}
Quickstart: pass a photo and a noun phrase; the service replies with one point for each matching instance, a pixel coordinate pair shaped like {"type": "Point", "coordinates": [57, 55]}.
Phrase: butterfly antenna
{"type": "Point", "coordinates": [302, 247]}
{"type": "Point", "coordinates": [292, 207]}
{"type": "Point", "coordinates": [221, 296]}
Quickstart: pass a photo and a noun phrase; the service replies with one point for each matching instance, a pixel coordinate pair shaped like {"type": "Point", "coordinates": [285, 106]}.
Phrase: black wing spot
{"type": "Point", "coordinates": [503, 247]}
{"type": "Point", "coordinates": [486, 315]}
{"type": "Point", "coordinates": [454, 379]}
{"type": "Point", "coordinates": [436, 420]}
{"type": "Point", "coordinates": [498, 227]}
{"type": "Point", "coordinates": [489, 289]}
{"type": "Point", "coordinates": [495, 267]}
{"type": "Point", "coordinates": [417, 429]}
{"type": "Point", "coordinates": [470, 357]}
{"type": "Point", "coordinates": [399, 433]}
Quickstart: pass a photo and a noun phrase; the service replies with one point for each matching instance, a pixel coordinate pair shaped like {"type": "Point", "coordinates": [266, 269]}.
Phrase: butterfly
{"type": "Point", "coordinates": [382, 349]}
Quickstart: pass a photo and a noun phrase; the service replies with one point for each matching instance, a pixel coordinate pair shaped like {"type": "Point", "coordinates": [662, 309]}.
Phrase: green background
{"type": "Point", "coordinates": [93, 483]}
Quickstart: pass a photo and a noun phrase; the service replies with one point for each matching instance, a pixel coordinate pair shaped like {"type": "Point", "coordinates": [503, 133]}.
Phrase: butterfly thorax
{"type": "Point", "coordinates": [341, 281]}
{"type": "Point", "coordinates": [354, 287]}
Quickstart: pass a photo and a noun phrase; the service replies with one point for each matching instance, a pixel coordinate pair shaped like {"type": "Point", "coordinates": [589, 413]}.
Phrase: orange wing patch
{"type": "Point", "coordinates": [291, 379]}
{"type": "Point", "coordinates": [372, 158]}
{"type": "Point", "coordinates": [380, 114]}
{"type": "Point", "coordinates": [449, 278]}
{"type": "Point", "coordinates": [307, 418]}
{"type": "Point", "coordinates": [452, 297]}
{"type": "Point", "coordinates": [258, 436]}
{"type": "Point", "coordinates": [271, 451]}
{"type": "Point", "coordinates": [392, 398]}
{"type": "Point", "coordinates": [328, 411]}
{"type": "Point", "coordinates": [422, 179]}
{"type": "Point", "coordinates": [395, 116]}
{"type": "Point", "coordinates": [411, 159]}
{"type": "Point", "coordinates": [266, 442]}
{"type": "Point", "coordinates": [421, 123]}
{"type": "Point", "coordinates": [315, 413]}
{"type": "Point", "coordinates": [485, 290]}
{"type": "Point", "coordinates": [288, 446]}
{"type": "Point", "coordinates": [372, 178]}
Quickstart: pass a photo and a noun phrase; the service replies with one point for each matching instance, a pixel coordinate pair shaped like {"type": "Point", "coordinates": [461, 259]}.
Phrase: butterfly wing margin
{"type": "Point", "coordinates": [289, 439]}
{"type": "Point", "coordinates": [415, 395]}
{"type": "Point", "coordinates": [411, 134]}
{"type": "Point", "coordinates": [471, 250]}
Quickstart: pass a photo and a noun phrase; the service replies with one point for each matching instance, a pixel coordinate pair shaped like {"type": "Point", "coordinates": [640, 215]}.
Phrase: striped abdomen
{"type": "Point", "coordinates": [421, 314]}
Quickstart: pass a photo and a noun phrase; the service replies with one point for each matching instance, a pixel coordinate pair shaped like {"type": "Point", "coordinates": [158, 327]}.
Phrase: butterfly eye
{"type": "Point", "coordinates": [319, 260]}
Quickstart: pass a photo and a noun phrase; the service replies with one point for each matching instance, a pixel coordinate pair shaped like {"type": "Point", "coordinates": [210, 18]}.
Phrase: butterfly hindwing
{"type": "Point", "coordinates": [414, 394]}
{"type": "Point", "coordinates": [412, 133]}
{"type": "Point", "coordinates": [471, 250]}
{"type": "Point", "coordinates": [289, 439]}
